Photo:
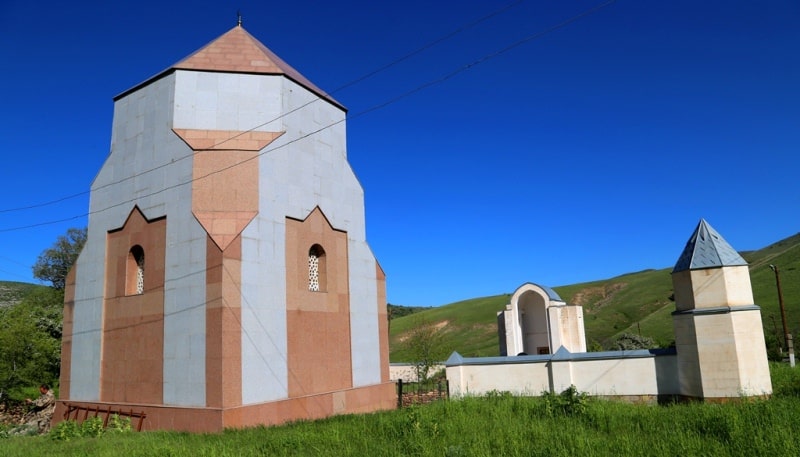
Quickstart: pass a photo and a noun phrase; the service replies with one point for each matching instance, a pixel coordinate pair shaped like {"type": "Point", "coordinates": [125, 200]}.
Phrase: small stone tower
{"type": "Point", "coordinates": [718, 333]}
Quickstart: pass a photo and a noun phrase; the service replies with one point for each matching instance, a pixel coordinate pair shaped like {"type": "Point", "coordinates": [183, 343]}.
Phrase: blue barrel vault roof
{"type": "Point", "coordinates": [551, 294]}
{"type": "Point", "coordinates": [707, 249]}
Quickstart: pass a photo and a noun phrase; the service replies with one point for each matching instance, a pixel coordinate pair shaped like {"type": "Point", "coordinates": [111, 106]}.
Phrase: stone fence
{"type": "Point", "coordinates": [643, 375]}
{"type": "Point", "coordinates": [407, 371]}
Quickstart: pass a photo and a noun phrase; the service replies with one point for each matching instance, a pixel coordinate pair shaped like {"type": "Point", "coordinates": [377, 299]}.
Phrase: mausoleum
{"type": "Point", "coordinates": [226, 280]}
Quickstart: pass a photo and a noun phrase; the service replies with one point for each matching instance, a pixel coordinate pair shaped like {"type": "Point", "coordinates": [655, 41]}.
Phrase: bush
{"type": "Point", "coordinates": [119, 424]}
{"type": "Point", "coordinates": [632, 341]}
{"type": "Point", "coordinates": [90, 428]}
{"type": "Point", "coordinates": [570, 402]}
{"type": "Point", "coordinates": [66, 430]}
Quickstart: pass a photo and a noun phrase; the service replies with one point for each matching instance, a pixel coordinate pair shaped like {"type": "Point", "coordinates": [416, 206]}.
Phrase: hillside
{"type": "Point", "coordinates": [634, 303]}
{"type": "Point", "coordinates": [12, 292]}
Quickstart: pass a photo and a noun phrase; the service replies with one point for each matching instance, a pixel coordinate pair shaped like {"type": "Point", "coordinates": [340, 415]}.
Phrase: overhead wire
{"type": "Point", "coordinates": [258, 321]}
{"type": "Point", "coordinates": [8, 259]}
{"type": "Point", "coordinates": [258, 351]}
{"type": "Point", "coordinates": [373, 108]}
{"type": "Point", "coordinates": [283, 383]}
{"type": "Point", "coordinates": [359, 79]}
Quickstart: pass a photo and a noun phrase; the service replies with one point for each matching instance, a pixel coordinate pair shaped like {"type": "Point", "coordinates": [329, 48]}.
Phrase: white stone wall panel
{"type": "Point", "coordinates": [146, 159]}
{"type": "Point", "coordinates": [300, 171]}
{"type": "Point", "coordinates": [264, 334]}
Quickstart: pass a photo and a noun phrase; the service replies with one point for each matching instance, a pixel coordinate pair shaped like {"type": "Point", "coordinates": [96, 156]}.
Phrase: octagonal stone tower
{"type": "Point", "coordinates": [226, 280]}
{"type": "Point", "coordinates": [718, 332]}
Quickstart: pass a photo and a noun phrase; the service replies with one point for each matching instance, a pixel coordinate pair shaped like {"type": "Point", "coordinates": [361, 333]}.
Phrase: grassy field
{"type": "Point", "coordinates": [632, 303]}
{"type": "Point", "coordinates": [468, 326]}
{"type": "Point", "coordinates": [486, 426]}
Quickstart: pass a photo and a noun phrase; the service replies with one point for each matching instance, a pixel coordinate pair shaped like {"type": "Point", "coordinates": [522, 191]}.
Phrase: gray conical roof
{"type": "Point", "coordinates": [707, 249]}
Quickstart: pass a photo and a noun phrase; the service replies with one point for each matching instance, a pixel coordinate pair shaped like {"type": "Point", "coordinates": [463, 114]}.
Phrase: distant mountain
{"type": "Point", "coordinates": [638, 302]}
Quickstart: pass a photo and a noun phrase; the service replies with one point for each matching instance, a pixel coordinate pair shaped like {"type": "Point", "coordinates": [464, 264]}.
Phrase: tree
{"type": "Point", "coordinates": [425, 346]}
{"type": "Point", "coordinates": [30, 331]}
{"type": "Point", "coordinates": [30, 342]}
{"type": "Point", "coordinates": [54, 263]}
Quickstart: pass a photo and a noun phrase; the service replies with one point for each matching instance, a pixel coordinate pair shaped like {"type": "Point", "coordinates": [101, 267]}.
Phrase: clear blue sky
{"type": "Point", "coordinates": [586, 153]}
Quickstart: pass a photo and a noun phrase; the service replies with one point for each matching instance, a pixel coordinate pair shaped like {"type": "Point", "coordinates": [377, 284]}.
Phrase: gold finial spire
{"type": "Point", "coordinates": [238, 18]}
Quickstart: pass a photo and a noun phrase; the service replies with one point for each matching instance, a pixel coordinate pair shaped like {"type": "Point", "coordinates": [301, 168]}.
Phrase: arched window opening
{"type": "Point", "coordinates": [135, 271]}
{"type": "Point", "coordinates": [316, 269]}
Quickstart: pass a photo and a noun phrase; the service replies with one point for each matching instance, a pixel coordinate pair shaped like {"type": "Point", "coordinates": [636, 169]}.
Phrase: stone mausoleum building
{"type": "Point", "coordinates": [226, 280]}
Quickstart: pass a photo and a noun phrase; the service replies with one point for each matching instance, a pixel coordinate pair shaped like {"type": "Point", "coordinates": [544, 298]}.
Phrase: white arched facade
{"type": "Point", "coordinates": [537, 321]}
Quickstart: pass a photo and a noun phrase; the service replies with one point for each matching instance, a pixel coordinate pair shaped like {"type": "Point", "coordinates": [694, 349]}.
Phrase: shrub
{"type": "Point", "coordinates": [570, 402]}
{"type": "Point", "coordinates": [632, 341]}
{"type": "Point", "coordinates": [92, 427]}
{"type": "Point", "coordinates": [66, 430]}
{"type": "Point", "coordinates": [89, 428]}
{"type": "Point", "coordinates": [119, 424]}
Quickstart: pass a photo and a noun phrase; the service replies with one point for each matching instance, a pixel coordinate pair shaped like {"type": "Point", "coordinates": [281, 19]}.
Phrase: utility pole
{"type": "Point", "coordinates": [787, 338]}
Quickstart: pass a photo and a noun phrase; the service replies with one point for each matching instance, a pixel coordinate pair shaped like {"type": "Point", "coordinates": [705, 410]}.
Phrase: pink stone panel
{"type": "Point", "coordinates": [383, 322]}
{"type": "Point", "coordinates": [227, 140]}
{"type": "Point", "coordinates": [131, 367]}
{"type": "Point", "coordinates": [239, 52]}
{"type": "Point", "coordinates": [223, 325]}
{"type": "Point", "coordinates": [66, 333]}
{"type": "Point", "coordinates": [210, 420]}
{"type": "Point", "coordinates": [318, 322]}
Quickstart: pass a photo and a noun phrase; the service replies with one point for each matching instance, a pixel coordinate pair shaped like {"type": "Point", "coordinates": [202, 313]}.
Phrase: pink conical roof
{"type": "Point", "coordinates": [236, 51]}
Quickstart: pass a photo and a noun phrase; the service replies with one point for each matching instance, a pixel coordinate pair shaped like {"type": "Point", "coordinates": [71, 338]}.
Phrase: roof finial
{"type": "Point", "coordinates": [238, 18]}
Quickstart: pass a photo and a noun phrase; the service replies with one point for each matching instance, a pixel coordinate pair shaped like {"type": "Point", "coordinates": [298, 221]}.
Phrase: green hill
{"type": "Point", "coordinates": [633, 303]}
{"type": "Point", "coordinates": [12, 293]}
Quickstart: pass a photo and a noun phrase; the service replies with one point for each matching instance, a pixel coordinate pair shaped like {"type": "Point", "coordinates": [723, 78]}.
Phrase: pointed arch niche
{"type": "Point", "coordinates": [317, 306]}
{"type": "Point", "coordinates": [317, 269]}
{"type": "Point", "coordinates": [134, 271]}
{"type": "Point", "coordinates": [131, 365]}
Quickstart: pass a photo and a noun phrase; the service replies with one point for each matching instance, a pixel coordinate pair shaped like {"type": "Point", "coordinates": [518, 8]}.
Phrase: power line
{"type": "Point", "coordinates": [8, 259]}
{"type": "Point", "coordinates": [315, 100]}
{"type": "Point", "coordinates": [13, 274]}
{"type": "Point", "coordinates": [290, 374]}
{"type": "Point", "coordinates": [357, 115]}
{"type": "Point", "coordinates": [376, 107]}
{"type": "Point", "coordinates": [47, 203]}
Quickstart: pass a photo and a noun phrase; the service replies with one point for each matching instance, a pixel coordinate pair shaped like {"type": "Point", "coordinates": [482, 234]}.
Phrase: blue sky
{"type": "Point", "coordinates": [581, 154]}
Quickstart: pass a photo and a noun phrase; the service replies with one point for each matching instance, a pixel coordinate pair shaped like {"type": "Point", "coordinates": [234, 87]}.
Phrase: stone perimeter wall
{"type": "Point", "coordinates": [636, 374]}
{"type": "Point", "coordinates": [407, 372]}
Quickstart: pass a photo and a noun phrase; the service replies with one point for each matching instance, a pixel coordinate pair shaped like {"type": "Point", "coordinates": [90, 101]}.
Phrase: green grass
{"type": "Point", "coordinates": [786, 255]}
{"type": "Point", "coordinates": [630, 303]}
{"type": "Point", "coordinates": [469, 327]}
{"type": "Point", "coordinates": [494, 425]}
